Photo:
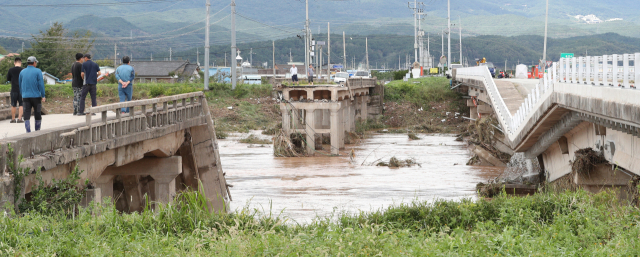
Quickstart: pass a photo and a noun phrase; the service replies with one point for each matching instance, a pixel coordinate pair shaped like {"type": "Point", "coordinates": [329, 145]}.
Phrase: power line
{"type": "Point", "coordinates": [88, 5]}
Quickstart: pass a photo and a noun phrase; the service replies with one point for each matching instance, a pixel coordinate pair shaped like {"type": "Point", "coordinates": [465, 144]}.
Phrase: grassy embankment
{"type": "Point", "coordinates": [567, 224]}
{"type": "Point", "coordinates": [422, 105]}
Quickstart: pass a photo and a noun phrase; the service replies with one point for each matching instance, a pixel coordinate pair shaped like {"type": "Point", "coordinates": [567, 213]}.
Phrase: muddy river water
{"type": "Point", "coordinates": [304, 188]}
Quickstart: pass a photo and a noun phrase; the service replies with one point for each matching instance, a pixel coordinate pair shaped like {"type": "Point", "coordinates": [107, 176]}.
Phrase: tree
{"type": "Point", "coordinates": [56, 47]}
{"type": "Point", "coordinates": [104, 62]}
{"type": "Point", "coordinates": [3, 51]}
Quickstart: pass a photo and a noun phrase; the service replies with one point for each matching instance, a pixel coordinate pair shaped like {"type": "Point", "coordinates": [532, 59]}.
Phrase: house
{"type": "Point", "coordinates": [11, 56]}
{"type": "Point", "coordinates": [164, 71]}
{"type": "Point", "coordinates": [49, 79]}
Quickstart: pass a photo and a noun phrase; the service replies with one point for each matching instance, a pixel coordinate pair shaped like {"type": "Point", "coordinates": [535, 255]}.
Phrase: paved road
{"type": "Point", "coordinates": [50, 121]}
{"type": "Point", "coordinates": [524, 86]}
{"type": "Point", "coordinates": [510, 94]}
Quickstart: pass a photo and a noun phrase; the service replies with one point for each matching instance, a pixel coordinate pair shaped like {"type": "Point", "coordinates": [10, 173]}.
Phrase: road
{"type": "Point", "coordinates": [524, 86]}
{"type": "Point", "coordinates": [49, 121]}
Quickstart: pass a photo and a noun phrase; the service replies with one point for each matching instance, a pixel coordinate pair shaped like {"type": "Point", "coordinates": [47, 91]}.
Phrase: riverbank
{"type": "Point", "coordinates": [571, 223]}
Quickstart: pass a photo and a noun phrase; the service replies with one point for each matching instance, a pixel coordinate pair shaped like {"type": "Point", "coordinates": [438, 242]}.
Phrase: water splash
{"type": "Point", "coordinates": [520, 170]}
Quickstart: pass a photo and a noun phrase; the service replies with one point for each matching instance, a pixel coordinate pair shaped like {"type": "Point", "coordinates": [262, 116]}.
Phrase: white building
{"type": "Point", "coordinates": [49, 79]}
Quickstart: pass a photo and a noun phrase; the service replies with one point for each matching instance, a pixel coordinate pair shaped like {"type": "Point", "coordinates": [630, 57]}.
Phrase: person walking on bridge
{"type": "Point", "coordinates": [90, 73]}
{"type": "Point", "coordinates": [16, 96]}
{"type": "Point", "coordinates": [294, 74]}
{"type": "Point", "coordinates": [125, 76]}
{"type": "Point", "coordinates": [33, 94]}
{"type": "Point", "coordinates": [310, 72]}
{"type": "Point", "coordinates": [76, 84]}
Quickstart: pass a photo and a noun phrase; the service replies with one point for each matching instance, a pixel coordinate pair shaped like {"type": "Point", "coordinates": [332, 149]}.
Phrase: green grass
{"type": "Point", "coordinates": [420, 92]}
{"type": "Point", "coordinates": [567, 224]}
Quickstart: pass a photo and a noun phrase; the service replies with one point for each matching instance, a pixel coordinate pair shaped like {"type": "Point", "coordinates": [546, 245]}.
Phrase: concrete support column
{"type": "Point", "coordinates": [341, 124]}
{"type": "Point", "coordinates": [286, 119]}
{"type": "Point", "coordinates": [165, 187]}
{"type": "Point", "coordinates": [105, 184]}
{"type": "Point", "coordinates": [335, 129]}
{"type": "Point", "coordinates": [326, 119]}
{"type": "Point", "coordinates": [473, 112]}
{"type": "Point", "coordinates": [310, 129]}
{"type": "Point", "coordinates": [364, 112]}
{"type": "Point", "coordinates": [352, 117]}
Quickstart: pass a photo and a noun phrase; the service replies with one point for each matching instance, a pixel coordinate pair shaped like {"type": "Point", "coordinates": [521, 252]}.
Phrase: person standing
{"type": "Point", "coordinates": [125, 76]}
{"type": "Point", "coordinates": [16, 96]}
{"type": "Point", "coordinates": [90, 73]}
{"type": "Point", "coordinates": [294, 74]}
{"type": "Point", "coordinates": [310, 72]}
{"type": "Point", "coordinates": [32, 90]}
{"type": "Point", "coordinates": [77, 82]}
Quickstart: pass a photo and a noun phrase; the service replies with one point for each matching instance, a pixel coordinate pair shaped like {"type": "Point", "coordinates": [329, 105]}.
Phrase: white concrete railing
{"type": "Point", "coordinates": [512, 124]}
{"type": "Point", "coordinates": [592, 70]}
{"type": "Point", "coordinates": [607, 70]}
{"type": "Point", "coordinates": [500, 107]}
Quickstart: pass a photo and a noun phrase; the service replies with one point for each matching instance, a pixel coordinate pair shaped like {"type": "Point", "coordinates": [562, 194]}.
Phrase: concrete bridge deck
{"type": "Point", "coordinates": [580, 103]}
{"type": "Point", "coordinates": [163, 146]}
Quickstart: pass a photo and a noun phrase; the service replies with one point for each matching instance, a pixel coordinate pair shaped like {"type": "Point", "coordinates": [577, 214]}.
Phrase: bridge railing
{"type": "Point", "coordinates": [500, 107]}
{"type": "Point", "coordinates": [153, 113]}
{"type": "Point", "coordinates": [608, 70]}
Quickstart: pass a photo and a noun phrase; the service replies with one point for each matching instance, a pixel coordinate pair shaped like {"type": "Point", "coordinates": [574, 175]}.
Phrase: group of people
{"type": "Point", "coordinates": [294, 74]}
{"type": "Point", "coordinates": [28, 91]}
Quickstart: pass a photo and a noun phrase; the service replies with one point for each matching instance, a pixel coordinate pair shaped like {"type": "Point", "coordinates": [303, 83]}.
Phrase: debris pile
{"type": "Point", "coordinates": [398, 163]}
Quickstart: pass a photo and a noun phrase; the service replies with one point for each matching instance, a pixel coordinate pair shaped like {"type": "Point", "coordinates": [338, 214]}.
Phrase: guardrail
{"type": "Point", "coordinates": [163, 111]}
{"type": "Point", "coordinates": [606, 70]}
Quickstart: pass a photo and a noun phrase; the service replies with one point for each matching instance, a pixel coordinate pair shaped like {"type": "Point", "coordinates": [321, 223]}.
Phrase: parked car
{"type": "Point", "coordinates": [362, 74]}
{"type": "Point", "coordinates": [341, 77]}
{"type": "Point", "coordinates": [491, 67]}
{"type": "Point", "coordinates": [449, 72]}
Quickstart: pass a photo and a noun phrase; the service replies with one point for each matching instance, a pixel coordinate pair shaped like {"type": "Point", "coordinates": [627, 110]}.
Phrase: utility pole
{"type": "Point", "coordinates": [225, 59]}
{"type": "Point", "coordinates": [429, 50]}
{"type": "Point", "coordinates": [415, 26]}
{"type": "Point", "coordinates": [442, 44]}
{"type": "Point", "coordinates": [307, 46]}
{"type": "Point", "coordinates": [273, 42]}
{"type": "Point", "coordinates": [328, 49]}
{"type": "Point", "coordinates": [197, 55]}
{"type": "Point", "coordinates": [290, 57]}
{"type": "Point", "coordinates": [344, 51]}
{"type": "Point", "coordinates": [115, 54]}
{"type": "Point", "coordinates": [152, 57]}
{"type": "Point", "coordinates": [460, 27]}
{"type": "Point", "coordinates": [234, 75]}
{"type": "Point", "coordinates": [366, 44]}
{"type": "Point", "coordinates": [206, 49]}
{"type": "Point", "coordinates": [22, 47]}
{"type": "Point", "coordinates": [449, 32]}
{"type": "Point", "coordinates": [251, 57]}
{"type": "Point", "coordinates": [544, 52]}
{"type": "Point", "coordinates": [170, 53]}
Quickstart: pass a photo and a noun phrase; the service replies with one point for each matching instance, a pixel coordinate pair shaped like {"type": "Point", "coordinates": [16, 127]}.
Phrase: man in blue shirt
{"type": "Point", "coordinates": [90, 73]}
{"type": "Point", "coordinates": [32, 90]}
{"type": "Point", "coordinates": [125, 76]}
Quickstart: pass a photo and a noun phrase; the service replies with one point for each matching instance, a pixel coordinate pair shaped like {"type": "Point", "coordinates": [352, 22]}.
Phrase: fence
{"type": "Point", "coordinates": [607, 70]}
{"type": "Point", "coordinates": [161, 112]}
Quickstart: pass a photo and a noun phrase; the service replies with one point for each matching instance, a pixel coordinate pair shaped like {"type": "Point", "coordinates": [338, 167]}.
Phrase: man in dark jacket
{"type": "Point", "coordinates": [90, 73]}
{"type": "Point", "coordinates": [32, 90]}
{"type": "Point", "coordinates": [16, 97]}
{"type": "Point", "coordinates": [76, 84]}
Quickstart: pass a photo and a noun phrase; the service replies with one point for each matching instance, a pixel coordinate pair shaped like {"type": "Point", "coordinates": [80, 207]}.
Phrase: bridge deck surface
{"type": "Point", "coordinates": [50, 121]}
{"type": "Point", "coordinates": [510, 95]}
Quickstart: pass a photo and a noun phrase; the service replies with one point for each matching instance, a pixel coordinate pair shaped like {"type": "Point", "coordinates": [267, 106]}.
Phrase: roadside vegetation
{"type": "Point", "coordinates": [566, 224]}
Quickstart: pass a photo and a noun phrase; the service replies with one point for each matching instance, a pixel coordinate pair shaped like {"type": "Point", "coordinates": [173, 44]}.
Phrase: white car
{"type": "Point", "coordinates": [362, 74]}
{"type": "Point", "coordinates": [449, 72]}
{"type": "Point", "coordinates": [341, 77]}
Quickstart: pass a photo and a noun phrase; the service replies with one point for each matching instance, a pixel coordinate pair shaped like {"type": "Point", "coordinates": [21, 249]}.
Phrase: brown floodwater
{"type": "Point", "coordinates": [305, 188]}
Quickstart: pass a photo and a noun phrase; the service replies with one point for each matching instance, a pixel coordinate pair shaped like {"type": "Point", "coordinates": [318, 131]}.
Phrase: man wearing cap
{"type": "Point", "coordinates": [76, 84]}
{"type": "Point", "coordinates": [16, 97]}
{"type": "Point", "coordinates": [125, 76]}
{"type": "Point", "coordinates": [32, 90]}
{"type": "Point", "coordinates": [90, 73]}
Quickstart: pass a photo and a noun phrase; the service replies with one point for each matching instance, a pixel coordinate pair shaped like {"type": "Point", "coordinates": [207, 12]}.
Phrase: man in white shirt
{"type": "Point", "coordinates": [294, 74]}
